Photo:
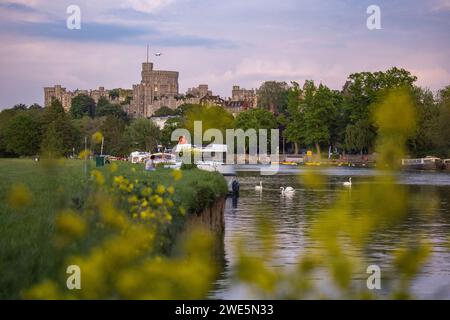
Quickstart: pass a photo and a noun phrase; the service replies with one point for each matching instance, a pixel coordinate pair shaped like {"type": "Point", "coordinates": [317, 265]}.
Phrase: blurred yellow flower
{"type": "Point", "coordinates": [146, 192]}
{"type": "Point", "coordinates": [177, 174]}
{"type": "Point", "coordinates": [160, 189]}
{"type": "Point", "coordinates": [171, 190]}
{"type": "Point", "coordinates": [69, 223]}
{"type": "Point", "coordinates": [47, 290]}
{"type": "Point", "coordinates": [98, 177]}
{"type": "Point", "coordinates": [19, 196]}
{"type": "Point", "coordinates": [85, 154]}
{"type": "Point", "coordinates": [97, 137]}
{"type": "Point", "coordinates": [113, 167]}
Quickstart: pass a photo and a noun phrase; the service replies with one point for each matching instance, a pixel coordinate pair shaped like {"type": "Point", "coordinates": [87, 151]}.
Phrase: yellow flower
{"type": "Point", "coordinates": [169, 203]}
{"type": "Point", "coordinates": [133, 199]}
{"type": "Point", "coordinates": [19, 196]}
{"type": "Point", "coordinates": [97, 137]}
{"type": "Point", "coordinates": [177, 174]}
{"type": "Point", "coordinates": [113, 167]}
{"type": "Point", "coordinates": [69, 223]}
{"type": "Point", "coordinates": [98, 177]}
{"type": "Point", "coordinates": [45, 290]}
{"type": "Point", "coordinates": [146, 192]}
{"type": "Point", "coordinates": [160, 189]}
{"type": "Point", "coordinates": [119, 180]}
{"type": "Point", "coordinates": [84, 154]}
{"type": "Point", "coordinates": [182, 211]}
{"type": "Point", "coordinates": [157, 200]}
{"type": "Point", "coordinates": [171, 190]}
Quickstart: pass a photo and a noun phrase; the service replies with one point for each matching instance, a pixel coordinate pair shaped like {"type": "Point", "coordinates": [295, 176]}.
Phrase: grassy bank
{"type": "Point", "coordinates": [27, 219]}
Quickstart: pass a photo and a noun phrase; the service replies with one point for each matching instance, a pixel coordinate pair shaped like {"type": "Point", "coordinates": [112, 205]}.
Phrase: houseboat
{"type": "Point", "coordinates": [427, 163]}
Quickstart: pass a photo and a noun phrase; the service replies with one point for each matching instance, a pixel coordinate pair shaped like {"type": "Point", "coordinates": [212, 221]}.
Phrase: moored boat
{"type": "Point", "coordinates": [427, 163]}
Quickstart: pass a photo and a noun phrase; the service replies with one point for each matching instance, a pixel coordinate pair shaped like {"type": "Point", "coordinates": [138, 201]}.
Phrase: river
{"type": "Point", "coordinates": [289, 215]}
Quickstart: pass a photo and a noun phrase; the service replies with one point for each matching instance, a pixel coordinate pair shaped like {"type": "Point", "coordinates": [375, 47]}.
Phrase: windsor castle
{"type": "Point", "coordinates": [157, 89]}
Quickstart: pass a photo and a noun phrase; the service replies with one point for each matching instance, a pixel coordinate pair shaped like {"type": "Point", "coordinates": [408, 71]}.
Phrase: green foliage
{"type": "Point", "coordinates": [22, 134]}
{"type": "Point", "coordinates": [164, 112]}
{"type": "Point", "coordinates": [256, 119]}
{"type": "Point", "coordinates": [60, 137]}
{"type": "Point", "coordinates": [273, 96]}
{"type": "Point", "coordinates": [143, 134]}
{"type": "Point", "coordinates": [105, 108]}
{"type": "Point", "coordinates": [361, 92]}
{"type": "Point", "coordinates": [82, 105]}
{"type": "Point", "coordinates": [214, 117]}
{"type": "Point", "coordinates": [116, 141]}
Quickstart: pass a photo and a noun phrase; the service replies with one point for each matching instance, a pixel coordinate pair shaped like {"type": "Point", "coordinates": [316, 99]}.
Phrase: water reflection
{"type": "Point", "coordinates": [292, 216]}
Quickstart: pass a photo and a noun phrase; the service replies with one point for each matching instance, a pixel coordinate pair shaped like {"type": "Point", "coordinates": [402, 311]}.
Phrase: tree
{"type": "Point", "coordinates": [5, 118]}
{"type": "Point", "coordinates": [213, 117]}
{"type": "Point", "coordinates": [362, 92]}
{"type": "Point", "coordinates": [52, 145]}
{"type": "Point", "coordinates": [166, 133]}
{"type": "Point", "coordinates": [116, 141]}
{"type": "Point", "coordinates": [35, 106]}
{"type": "Point", "coordinates": [272, 96]}
{"type": "Point", "coordinates": [114, 94]}
{"type": "Point", "coordinates": [60, 136]}
{"type": "Point", "coordinates": [443, 121]}
{"type": "Point", "coordinates": [20, 106]}
{"type": "Point", "coordinates": [427, 131]}
{"type": "Point", "coordinates": [143, 134]}
{"type": "Point", "coordinates": [22, 135]}
{"type": "Point", "coordinates": [359, 136]}
{"type": "Point", "coordinates": [82, 105]}
{"type": "Point", "coordinates": [163, 112]}
{"type": "Point", "coordinates": [105, 108]}
{"type": "Point", "coordinates": [293, 120]}
{"type": "Point", "coordinates": [319, 109]}
{"type": "Point", "coordinates": [256, 119]}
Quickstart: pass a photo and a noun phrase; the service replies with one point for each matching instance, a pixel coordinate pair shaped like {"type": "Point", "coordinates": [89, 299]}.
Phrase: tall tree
{"type": "Point", "coordinates": [60, 136]}
{"type": "Point", "coordinates": [105, 108]}
{"type": "Point", "coordinates": [363, 91]}
{"type": "Point", "coordinates": [272, 96]}
{"type": "Point", "coordinates": [213, 117]}
{"type": "Point", "coordinates": [319, 110]}
{"type": "Point", "coordinates": [116, 141]}
{"type": "Point", "coordinates": [22, 134]}
{"type": "Point", "coordinates": [82, 105]}
{"type": "Point", "coordinates": [143, 134]}
{"type": "Point", "coordinates": [293, 120]}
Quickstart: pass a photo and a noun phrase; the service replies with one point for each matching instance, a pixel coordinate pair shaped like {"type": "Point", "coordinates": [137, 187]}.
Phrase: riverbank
{"type": "Point", "coordinates": [34, 194]}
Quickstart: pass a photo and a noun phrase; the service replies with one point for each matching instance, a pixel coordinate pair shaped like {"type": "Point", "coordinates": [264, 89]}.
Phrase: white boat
{"type": "Point", "coordinates": [162, 158]}
{"type": "Point", "coordinates": [212, 159]}
{"type": "Point", "coordinates": [427, 163]}
{"type": "Point", "coordinates": [139, 157]}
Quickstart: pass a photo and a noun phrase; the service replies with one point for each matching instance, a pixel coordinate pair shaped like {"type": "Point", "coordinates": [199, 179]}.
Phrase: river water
{"type": "Point", "coordinates": [290, 216]}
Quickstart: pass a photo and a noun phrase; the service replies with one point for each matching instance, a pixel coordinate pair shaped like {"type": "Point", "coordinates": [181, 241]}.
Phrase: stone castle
{"type": "Point", "coordinates": [157, 89]}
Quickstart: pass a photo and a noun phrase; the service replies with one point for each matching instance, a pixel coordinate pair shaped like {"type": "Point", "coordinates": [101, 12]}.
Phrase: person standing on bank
{"type": "Point", "coordinates": [149, 164]}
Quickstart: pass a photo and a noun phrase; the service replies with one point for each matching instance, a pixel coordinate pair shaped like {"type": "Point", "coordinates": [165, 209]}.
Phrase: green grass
{"type": "Point", "coordinates": [27, 254]}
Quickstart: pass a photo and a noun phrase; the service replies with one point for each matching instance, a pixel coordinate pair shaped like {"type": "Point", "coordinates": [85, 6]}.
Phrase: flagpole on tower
{"type": "Point", "coordinates": [147, 52]}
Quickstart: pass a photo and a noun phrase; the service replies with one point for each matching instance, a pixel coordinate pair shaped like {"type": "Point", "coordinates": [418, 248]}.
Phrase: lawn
{"type": "Point", "coordinates": [27, 253]}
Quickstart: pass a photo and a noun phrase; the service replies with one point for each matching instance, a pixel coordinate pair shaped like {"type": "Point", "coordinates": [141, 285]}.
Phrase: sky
{"type": "Point", "coordinates": [219, 43]}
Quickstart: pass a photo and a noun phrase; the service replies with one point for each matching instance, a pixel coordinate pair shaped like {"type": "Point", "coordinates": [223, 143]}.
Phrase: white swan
{"type": "Point", "coordinates": [287, 190]}
{"type": "Point", "coordinates": [260, 187]}
{"type": "Point", "coordinates": [348, 183]}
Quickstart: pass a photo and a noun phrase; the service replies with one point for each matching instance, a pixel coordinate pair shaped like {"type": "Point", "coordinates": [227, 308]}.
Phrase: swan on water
{"type": "Point", "coordinates": [260, 187]}
{"type": "Point", "coordinates": [287, 190]}
{"type": "Point", "coordinates": [348, 183]}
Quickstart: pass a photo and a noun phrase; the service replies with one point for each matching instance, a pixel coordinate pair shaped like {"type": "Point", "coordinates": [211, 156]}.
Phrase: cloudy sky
{"type": "Point", "coordinates": [220, 43]}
